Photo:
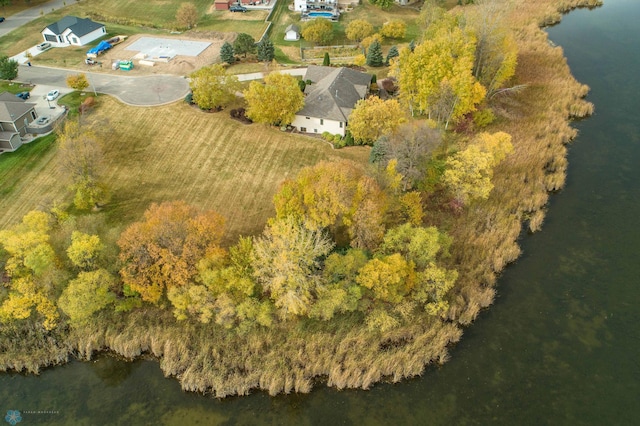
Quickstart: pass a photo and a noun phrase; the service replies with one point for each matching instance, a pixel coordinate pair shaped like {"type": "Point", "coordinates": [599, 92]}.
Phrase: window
{"type": "Point", "coordinates": [33, 115]}
{"type": "Point", "coordinates": [104, 30]}
{"type": "Point", "coordinates": [341, 124]}
{"type": "Point", "coordinates": [74, 40]}
{"type": "Point", "coordinates": [303, 129]}
{"type": "Point", "coordinates": [315, 130]}
{"type": "Point", "coordinates": [321, 122]}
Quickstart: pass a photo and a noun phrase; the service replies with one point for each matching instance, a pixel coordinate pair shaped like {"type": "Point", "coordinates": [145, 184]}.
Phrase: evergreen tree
{"type": "Point", "coordinates": [244, 44]}
{"type": "Point", "coordinates": [227, 53]}
{"type": "Point", "coordinates": [393, 53]}
{"type": "Point", "coordinates": [412, 45]}
{"type": "Point", "coordinates": [8, 68]}
{"type": "Point", "coordinates": [266, 51]}
{"type": "Point", "coordinates": [374, 55]}
{"type": "Point", "coordinates": [326, 61]}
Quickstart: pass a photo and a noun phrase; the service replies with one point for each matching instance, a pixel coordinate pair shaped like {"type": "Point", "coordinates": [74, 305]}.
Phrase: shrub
{"type": "Point", "coordinates": [483, 118]}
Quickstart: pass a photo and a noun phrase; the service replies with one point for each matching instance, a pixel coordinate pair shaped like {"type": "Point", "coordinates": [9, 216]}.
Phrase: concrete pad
{"type": "Point", "coordinates": [154, 47]}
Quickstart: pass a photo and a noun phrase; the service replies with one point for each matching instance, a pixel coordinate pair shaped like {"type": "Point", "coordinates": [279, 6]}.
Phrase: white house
{"type": "Point", "coordinates": [330, 99]}
{"type": "Point", "coordinates": [292, 33]}
{"type": "Point", "coordinates": [71, 30]}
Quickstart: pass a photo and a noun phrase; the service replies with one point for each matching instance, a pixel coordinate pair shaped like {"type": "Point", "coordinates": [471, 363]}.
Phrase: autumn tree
{"type": "Point", "coordinates": [318, 31]}
{"type": "Point", "coordinates": [80, 157]}
{"type": "Point", "coordinates": [213, 88]}
{"type": "Point", "coordinates": [358, 29]}
{"type": "Point", "coordinates": [334, 195]}
{"type": "Point", "coordinates": [84, 250]}
{"type": "Point", "coordinates": [411, 145]}
{"type": "Point", "coordinates": [436, 78]}
{"type": "Point", "coordinates": [227, 54]}
{"type": "Point", "coordinates": [77, 81]}
{"type": "Point", "coordinates": [163, 250]}
{"type": "Point", "coordinates": [469, 172]}
{"type": "Point", "coordinates": [394, 29]}
{"type": "Point", "coordinates": [368, 41]}
{"type": "Point", "coordinates": [187, 15]}
{"type": "Point", "coordinates": [29, 266]}
{"type": "Point", "coordinates": [87, 294]}
{"type": "Point", "coordinates": [244, 44]}
{"type": "Point", "coordinates": [266, 51]}
{"type": "Point", "coordinates": [8, 68]}
{"type": "Point", "coordinates": [372, 118]}
{"type": "Point", "coordinates": [286, 261]}
{"type": "Point", "coordinates": [274, 102]}
{"type": "Point", "coordinates": [496, 50]}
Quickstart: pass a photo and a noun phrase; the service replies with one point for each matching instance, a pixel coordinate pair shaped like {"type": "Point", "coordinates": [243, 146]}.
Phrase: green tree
{"type": "Point", "coordinates": [8, 68]}
{"type": "Point", "coordinates": [187, 15]}
{"type": "Point", "coordinates": [81, 158]}
{"type": "Point", "coordinates": [286, 263]}
{"type": "Point", "coordinates": [266, 51]}
{"type": "Point", "coordinates": [326, 61]}
{"type": "Point", "coordinates": [383, 4]}
{"type": "Point", "coordinates": [77, 81]}
{"type": "Point", "coordinates": [87, 294]}
{"type": "Point", "coordinates": [244, 44]}
{"type": "Point", "coordinates": [359, 29]}
{"type": "Point", "coordinates": [213, 88]}
{"type": "Point", "coordinates": [393, 53]}
{"type": "Point", "coordinates": [372, 118]}
{"type": "Point", "coordinates": [227, 54]}
{"type": "Point", "coordinates": [374, 55]}
{"type": "Point", "coordinates": [394, 29]}
{"type": "Point", "coordinates": [319, 31]}
{"type": "Point", "coordinates": [275, 102]}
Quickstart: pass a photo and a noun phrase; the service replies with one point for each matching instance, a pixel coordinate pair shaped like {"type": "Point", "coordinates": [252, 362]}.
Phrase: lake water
{"type": "Point", "coordinates": [561, 345]}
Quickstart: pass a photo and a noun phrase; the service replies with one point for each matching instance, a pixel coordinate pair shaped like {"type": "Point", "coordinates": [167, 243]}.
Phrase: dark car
{"type": "Point", "coordinates": [1, 18]}
{"type": "Point", "coordinates": [23, 95]}
{"type": "Point", "coordinates": [237, 8]}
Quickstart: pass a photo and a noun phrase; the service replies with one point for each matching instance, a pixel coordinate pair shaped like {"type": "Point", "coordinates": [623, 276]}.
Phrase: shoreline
{"type": "Point", "coordinates": [483, 247]}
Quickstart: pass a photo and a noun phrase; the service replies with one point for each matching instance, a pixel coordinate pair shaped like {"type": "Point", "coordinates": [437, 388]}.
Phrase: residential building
{"type": "Point", "coordinates": [72, 30]}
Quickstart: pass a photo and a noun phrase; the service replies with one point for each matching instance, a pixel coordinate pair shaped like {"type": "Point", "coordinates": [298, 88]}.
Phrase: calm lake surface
{"type": "Point", "coordinates": [561, 345]}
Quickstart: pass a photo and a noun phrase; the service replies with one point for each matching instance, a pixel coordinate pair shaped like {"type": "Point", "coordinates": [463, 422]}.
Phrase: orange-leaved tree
{"type": "Point", "coordinates": [163, 250]}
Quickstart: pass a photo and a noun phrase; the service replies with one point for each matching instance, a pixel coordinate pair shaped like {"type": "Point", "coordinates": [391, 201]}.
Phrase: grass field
{"type": "Point", "coordinates": [169, 153]}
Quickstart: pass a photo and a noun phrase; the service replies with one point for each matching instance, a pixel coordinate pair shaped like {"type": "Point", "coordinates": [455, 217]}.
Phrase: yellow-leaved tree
{"type": "Point", "coordinates": [274, 102]}
{"type": "Point", "coordinates": [436, 78]}
{"type": "Point", "coordinates": [372, 118]}
{"type": "Point", "coordinates": [213, 88]}
{"type": "Point", "coordinates": [469, 172]}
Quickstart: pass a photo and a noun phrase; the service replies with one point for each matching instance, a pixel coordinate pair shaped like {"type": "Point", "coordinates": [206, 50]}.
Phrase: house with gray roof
{"type": "Point", "coordinates": [15, 116]}
{"type": "Point", "coordinates": [72, 30]}
{"type": "Point", "coordinates": [330, 99]}
{"type": "Point", "coordinates": [292, 33]}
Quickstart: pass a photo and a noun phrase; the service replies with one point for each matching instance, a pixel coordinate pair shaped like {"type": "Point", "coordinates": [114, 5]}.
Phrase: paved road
{"type": "Point", "coordinates": [139, 91]}
{"type": "Point", "coordinates": [14, 21]}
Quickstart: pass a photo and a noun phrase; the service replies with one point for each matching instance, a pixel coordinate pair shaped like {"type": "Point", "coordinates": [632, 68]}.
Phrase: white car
{"type": "Point", "coordinates": [43, 46]}
{"type": "Point", "coordinates": [52, 95]}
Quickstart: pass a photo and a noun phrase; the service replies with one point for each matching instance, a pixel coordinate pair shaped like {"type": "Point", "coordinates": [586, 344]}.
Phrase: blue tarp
{"type": "Point", "coordinates": [100, 48]}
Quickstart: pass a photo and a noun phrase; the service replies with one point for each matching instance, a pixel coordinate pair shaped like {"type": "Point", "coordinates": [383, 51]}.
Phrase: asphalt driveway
{"type": "Point", "coordinates": [138, 91]}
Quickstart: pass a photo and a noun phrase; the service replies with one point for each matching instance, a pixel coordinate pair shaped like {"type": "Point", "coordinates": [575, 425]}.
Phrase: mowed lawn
{"type": "Point", "coordinates": [177, 152]}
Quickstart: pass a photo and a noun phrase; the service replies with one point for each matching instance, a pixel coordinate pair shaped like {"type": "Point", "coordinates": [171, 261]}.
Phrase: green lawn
{"type": "Point", "coordinates": [168, 153]}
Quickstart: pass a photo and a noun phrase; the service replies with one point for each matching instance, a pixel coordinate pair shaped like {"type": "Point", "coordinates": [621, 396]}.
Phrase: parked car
{"type": "Point", "coordinates": [237, 8]}
{"type": "Point", "coordinates": [52, 95]}
{"type": "Point", "coordinates": [1, 18]}
{"type": "Point", "coordinates": [43, 46]}
{"type": "Point", "coordinates": [23, 95]}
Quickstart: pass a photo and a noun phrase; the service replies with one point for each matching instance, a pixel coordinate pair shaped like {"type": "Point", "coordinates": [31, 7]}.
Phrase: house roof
{"type": "Point", "coordinates": [78, 26]}
{"type": "Point", "coordinates": [292, 27]}
{"type": "Point", "coordinates": [10, 97]}
{"type": "Point", "coordinates": [334, 92]}
{"type": "Point", "coordinates": [12, 110]}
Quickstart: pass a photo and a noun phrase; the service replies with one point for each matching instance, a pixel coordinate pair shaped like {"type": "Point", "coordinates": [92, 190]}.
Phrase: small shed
{"type": "Point", "coordinates": [292, 33]}
{"type": "Point", "coordinates": [221, 4]}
